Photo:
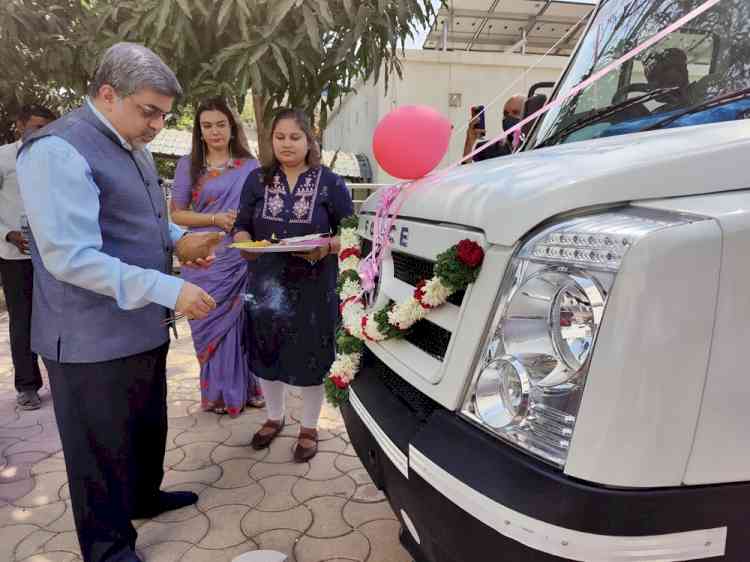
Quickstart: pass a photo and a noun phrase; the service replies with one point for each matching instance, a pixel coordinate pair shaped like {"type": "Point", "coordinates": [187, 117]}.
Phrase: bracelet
{"type": "Point", "coordinates": [213, 220]}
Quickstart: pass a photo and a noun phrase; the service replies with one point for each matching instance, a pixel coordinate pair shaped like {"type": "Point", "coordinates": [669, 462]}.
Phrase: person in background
{"type": "Point", "coordinates": [16, 271]}
{"type": "Point", "coordinates": [206, 195]}
{"type": "Point", "coordinates": [512, 114]}
{"type": "Point", "coordinates": [102, 251]}
{"type": "Point", "coordinates": [293, 308]}
{"type": "Point", "coordinates": [669, 69]}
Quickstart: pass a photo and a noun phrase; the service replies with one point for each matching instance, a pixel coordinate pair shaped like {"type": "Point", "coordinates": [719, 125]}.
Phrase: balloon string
{"type": "Point", "coordinates": [393, 198]}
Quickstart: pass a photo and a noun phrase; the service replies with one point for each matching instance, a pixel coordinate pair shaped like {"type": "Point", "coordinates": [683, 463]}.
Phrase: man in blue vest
{"type": "Point", "coordinates": [102, 251]}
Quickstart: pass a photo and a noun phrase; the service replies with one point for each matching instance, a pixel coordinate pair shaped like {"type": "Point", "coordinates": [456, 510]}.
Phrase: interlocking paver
{"type": "Point", "coordinates": [66, 542]}
{"type": "Point", "coordinates": [225, 453]}
{"type": "Point", "coordinates": [359, 513]}
{"type": "Point", "coordinates": [40, 516]}
{"type": "Point", "coordinates": [326, 509]}
{"type": "Point", "coordinates": [225, 527]}
{"type": "Point", "coordinates": [235, 474]}
{"type": "Point", "coordinates": [343, 487]}
{"type": "Point", "coordinates": [11, 536]}
{"type": "Point", "coordinates": [280, 540]}
{"type": "Point", "coordinates": [368, 493]}
{"type": "Point", "coordinates": [193, 530]}
{"type": "Point", "coordinates": [249, 496]}
{"type": "Point", "coordinates": [383, 551]}
{"type": "Point", "coordinates": [323, 467]}
{"type": "Point", "coordinates": [166, 551]}
{"type": "Point", "coordinates": [328, 521]}
{"type": "Point", "coordinates": [278, 493]}
{"type": "Point", "coordinates": [207, 475]}
{"type": "Point", "coordinates": [335, 445]}
{"type": "Point", "coordinates": [353, 546]}
{"type": "Point", "coordinates": [198, 554]}
{"type": "Point", "coordinates": [346, 463]}
{"type": "Point", "coordinates": [197, 455]}
{"type": "Point", "coordinates": [214, 435]}
{"type": "Point", "coordinates": [53, 556]}
{"type": "Point", "coordinates": [12, 491]}
{"type": "Point", "coordinates": [262, 470]}
{"type": "Point", "coordinates": [48, 464]}
{"type": "Point", "coordinates": [33, 544]}
{"type": "Point", "coordinates": [65, 522]}
{"type": "Point", "coordinates": [298, 518]}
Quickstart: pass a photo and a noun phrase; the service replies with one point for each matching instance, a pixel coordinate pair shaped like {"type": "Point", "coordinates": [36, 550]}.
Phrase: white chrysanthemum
{"type": "Point", "coordinates": [372, 330]}
{"type": "Point", "coordinates": [352, 317]}
{"type": "Point", "coordinates": [350, 288]}
{"type": "Point", "coordinates": [406, 314]}
{"type": "Point", "coordinates": [349, 239]}
{"type": "Point", "coordinates": [435, 293]}
{"type": "Point", "coordinates": [346, 365]}
{"type": "Point", "coordinates": [350, 263]}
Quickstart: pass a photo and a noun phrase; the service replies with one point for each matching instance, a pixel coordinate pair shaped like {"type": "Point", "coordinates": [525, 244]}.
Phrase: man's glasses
{"type": "Point", "coordinates": [150, 112]}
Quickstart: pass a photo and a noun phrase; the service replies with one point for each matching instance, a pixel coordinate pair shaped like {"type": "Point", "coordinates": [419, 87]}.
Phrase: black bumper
{"type": "Point", "coordinates": [515, 480]}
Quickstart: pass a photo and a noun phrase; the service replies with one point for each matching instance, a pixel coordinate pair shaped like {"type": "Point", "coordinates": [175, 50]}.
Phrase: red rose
{"type": "Point", "coordinates": [363, 323]}
{"type": "Point", "coordinates": [470, 253]}
{"type": "Point", "coordinates": [419, 294]}
{"type": "Point", "coordinates": [339, 383]}
{"type": "Point", "coordinates": [350, 252]}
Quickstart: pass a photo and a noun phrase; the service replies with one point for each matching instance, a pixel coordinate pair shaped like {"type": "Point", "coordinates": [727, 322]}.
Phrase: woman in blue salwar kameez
{"type": "Point", "coordinates": [291, 302]}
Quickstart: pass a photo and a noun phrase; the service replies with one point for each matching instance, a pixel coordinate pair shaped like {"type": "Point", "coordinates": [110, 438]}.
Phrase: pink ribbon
{"type": "Point", "coordinates": [394, 196]}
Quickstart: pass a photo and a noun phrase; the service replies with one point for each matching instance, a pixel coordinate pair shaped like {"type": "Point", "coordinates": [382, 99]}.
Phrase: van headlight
{"type": "Point", "coordinates": [530, 379]}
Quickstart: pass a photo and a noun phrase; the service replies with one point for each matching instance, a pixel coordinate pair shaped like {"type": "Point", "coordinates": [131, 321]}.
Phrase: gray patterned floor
{"type": "Point", "coordinates": [325, 510]}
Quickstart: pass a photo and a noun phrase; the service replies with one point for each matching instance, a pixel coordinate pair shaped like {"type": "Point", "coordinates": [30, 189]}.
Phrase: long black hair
{"type": "Point", "coordinates": [312, 158]}
{"type": "Point", "coordinates": [237, 140]}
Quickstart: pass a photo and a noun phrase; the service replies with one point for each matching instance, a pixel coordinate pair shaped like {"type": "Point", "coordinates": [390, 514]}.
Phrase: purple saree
{"type": "Point", "coordinates": [225, 378]}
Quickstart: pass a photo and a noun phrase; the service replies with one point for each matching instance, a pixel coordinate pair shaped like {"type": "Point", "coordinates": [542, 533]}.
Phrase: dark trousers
{"type": "Point", "coordinates": [18, 286]}
{"type": "Point", "coordinates": [112, 418]}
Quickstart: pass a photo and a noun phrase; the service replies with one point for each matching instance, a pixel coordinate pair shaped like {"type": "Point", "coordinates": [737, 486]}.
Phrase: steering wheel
{"type": "Point", "coordinates": [622, 94]}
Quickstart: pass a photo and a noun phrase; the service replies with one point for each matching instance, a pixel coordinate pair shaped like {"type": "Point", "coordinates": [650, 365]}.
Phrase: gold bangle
{"type": "Point", "coordinates": [213, 220]}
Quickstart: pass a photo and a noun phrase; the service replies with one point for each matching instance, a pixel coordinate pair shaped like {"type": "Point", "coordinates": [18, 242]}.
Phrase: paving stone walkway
{"type": "Point", "coordinates": [325, 510]}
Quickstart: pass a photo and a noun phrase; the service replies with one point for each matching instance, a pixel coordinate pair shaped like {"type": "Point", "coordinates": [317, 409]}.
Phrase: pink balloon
{"type": "Point", "coordinates": [410, 141]}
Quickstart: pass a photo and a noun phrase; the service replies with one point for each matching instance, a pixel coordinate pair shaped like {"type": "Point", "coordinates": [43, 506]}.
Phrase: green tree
{"type": "Point", "coordinates": [305, 53]}
{"type": "Point", "coordinates": [47, 54]}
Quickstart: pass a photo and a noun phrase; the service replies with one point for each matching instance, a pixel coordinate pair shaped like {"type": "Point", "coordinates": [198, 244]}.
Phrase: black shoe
{"type": "Point", "coordinates": [28, 400]}
{"type": "Point", "coordinates": [166, 501]}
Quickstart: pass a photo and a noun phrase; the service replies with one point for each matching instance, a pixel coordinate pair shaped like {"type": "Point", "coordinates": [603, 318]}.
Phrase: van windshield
{"type": "Point", "coordinates": [682, 80]}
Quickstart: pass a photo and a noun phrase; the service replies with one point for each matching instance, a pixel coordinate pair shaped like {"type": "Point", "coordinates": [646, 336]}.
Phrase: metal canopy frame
{"type": "Point", "coordinates": [525, 26]}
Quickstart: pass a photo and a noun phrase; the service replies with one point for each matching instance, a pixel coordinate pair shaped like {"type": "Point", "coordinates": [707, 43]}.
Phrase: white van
{"type": "Point", "coordinates": [588, 398]}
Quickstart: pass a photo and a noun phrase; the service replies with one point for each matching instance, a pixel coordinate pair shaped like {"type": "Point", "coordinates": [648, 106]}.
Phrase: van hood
{"type": "Point", "coordinates": [508, 196]}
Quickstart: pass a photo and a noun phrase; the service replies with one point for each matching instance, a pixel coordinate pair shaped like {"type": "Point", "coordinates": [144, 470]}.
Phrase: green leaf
{"type": "Point", "coordinates": [311, 25]}
{"type": "Point", "coordinates": [202, 7]}
{"type": "Point", "coordinates": [185, 7]}
{"type": "Point", "coordinates": [349, 8]}
{"type": "Point", "coordinates": [164, 13]}
{"type": "Point", "coordinates": [222, 20]}
{"type": "Point", "coordinates": [279, 56]}
{"type": "Point", "coordinates": [325, 13]}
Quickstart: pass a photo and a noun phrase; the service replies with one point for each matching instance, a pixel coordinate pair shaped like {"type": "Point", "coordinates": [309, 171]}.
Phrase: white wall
{"type": "Point", "coordinates": [429, 78]}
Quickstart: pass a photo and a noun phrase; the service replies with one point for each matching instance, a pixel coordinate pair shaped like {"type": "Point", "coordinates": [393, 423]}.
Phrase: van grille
{"type": "Point", "coordinates": [430, 338]}
{"type": "Point", "coordinates": [417, 402]}
{"type": "Point", "coordinates": [412, 269]}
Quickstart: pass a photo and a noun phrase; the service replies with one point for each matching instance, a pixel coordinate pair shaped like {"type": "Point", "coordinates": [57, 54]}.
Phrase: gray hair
{"type": "Point", "coordinates": [129, 67]}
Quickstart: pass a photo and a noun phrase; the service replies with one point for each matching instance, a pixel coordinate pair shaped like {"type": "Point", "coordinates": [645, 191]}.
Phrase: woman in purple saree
{"type": "Point", "coordinates": [206, 195]}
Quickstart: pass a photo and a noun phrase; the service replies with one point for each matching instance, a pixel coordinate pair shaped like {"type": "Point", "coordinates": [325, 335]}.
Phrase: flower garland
{"type": "Point", "coordinates": [454, 270]}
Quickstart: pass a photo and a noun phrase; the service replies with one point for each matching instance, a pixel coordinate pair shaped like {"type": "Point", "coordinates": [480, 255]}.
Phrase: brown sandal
{"type": "Point", "coordinates": [261, 441]}
{"type": "Point", "coordinates": [304, 454]}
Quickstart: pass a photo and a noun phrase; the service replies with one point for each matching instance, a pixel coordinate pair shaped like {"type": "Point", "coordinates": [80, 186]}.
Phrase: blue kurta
{"type": "Point", "coordinates": [292, 307]}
